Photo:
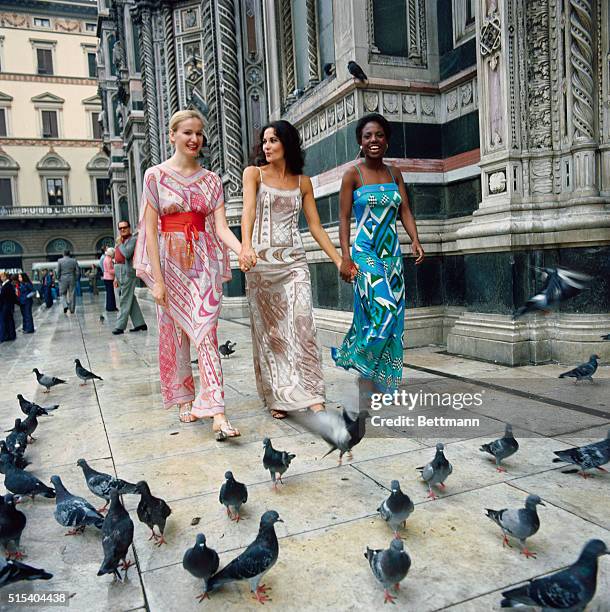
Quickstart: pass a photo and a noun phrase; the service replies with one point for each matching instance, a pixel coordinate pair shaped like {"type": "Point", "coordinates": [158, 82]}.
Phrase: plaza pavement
{"type": "Point", "coordinates": [329, 511]}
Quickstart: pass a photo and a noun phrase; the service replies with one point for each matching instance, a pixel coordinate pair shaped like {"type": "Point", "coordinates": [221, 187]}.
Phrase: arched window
{"type": "Point", "coordinates": [102, 242]}
{"type": "Point", "coordinates": [100, 182]}
{"type": "Point", "coordinates": [9, 248]}
{"type": "Point", "coordinates": [56, 247]}
{"type": "Point", "coordinates": [10, 256]}
{"type": "Point", "coordinates": [54, 170]}
{"type": "Point", "coordinates": [9, 169]}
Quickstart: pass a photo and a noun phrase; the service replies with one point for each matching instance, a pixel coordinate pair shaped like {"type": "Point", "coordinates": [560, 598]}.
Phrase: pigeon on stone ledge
{"type": "Point", "coordinates": [356, 71]}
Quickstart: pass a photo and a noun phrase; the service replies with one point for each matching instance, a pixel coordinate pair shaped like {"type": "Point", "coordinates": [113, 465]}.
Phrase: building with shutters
{"type": "Point", "coordinates": [501, 127]}
{"type": "Point", "coordinates": [54, 183]}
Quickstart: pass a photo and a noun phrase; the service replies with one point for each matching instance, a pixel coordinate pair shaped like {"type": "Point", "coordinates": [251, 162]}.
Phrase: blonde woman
{"type": "Point", "coordinates": [182, 256]}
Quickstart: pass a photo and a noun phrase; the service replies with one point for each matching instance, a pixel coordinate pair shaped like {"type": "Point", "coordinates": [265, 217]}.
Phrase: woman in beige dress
{"type": "Point", "coordinates": [287, 360]}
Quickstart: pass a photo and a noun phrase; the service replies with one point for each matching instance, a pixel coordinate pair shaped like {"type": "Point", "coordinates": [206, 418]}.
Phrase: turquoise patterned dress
{"type": "Point", "coordinates": [374, 343]}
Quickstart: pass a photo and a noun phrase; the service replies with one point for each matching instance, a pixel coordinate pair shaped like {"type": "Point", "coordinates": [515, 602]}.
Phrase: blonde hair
{"type": "Point", "coordinates": [179, 116]}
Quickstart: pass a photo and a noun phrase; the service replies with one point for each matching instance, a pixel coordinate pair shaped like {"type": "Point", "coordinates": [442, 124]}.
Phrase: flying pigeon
{"type": "Point", "coordinates": [396, 509]}
{"type": "Point", "coordinates": [437, 471]}
{"type": "Point", "coordinates": [356, 71]}
{"type": "Point", "coordinates": [561, 284]}
{"type": "Point", "coordinates": [569, 589]}
{"type": "Point", "coordinates": [277, 462]}
{"type": "Point", "coordinates": [586, 457]}
{"type": "Point", "coordinates": [202, 562]}
{"type": "Point", "coordinates": [227, 349]}
{"type": "Point", "coordinates": [20, 482]}
{"type": "Point", "coordinates": [117, 537]}
{"type": "Point", "coordinates": [519, 523]}
{"type": "Point", "coordinates": [232, 495]}
{"type": "Point", "coordinates": [389, 566]}
{"type": "Point", "coordinates": [26, 406]}
{"type": "Point", "coordinates": [47, 381]}
{"type": "Point", "coordinates": [15, 571]}
{"type": "Point", "coordinates": [13, 459]}
{"type": "Point", "coordinates": [12, 524]}
{"type": "Point", "coordinates": [152, 511]}
{"type": "Point", "coordinates": [340, 431]}
{"type": "Point", "coordinates": [17, 440]}
{"type": "Point", "coordinates": [73, 511]}
{"type": "Point", "coordinates": [255, 561]}
{"type": "Point", "coordinates": [101, 484]}
{"type": "Point", "coordinates": [502, 447]}
{"type": "Point", "coordinates": [584, 370]}
{"type": "Point", "coordinates": [85, 374]}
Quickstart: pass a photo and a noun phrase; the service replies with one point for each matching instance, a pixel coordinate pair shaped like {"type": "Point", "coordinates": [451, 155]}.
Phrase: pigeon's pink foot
{"type": "Point", "coordinates": [31, 440]}
{"type": "Point", "coordinates": [585, 475]}
{"type": "Point", "coordinates": [397, 536]}
{"type": "Point", "coordinates": [387, 597]}
{"type": "Point", "coordinates": [126, 564]}
{"type": "Point", "coordinates": [500, 469]}
{"type": "Point", "coordinates": [505, 542]}
{"type": "Point", "coordinates": [260, 595]}
{"type": "Point", "coordinates": [601, 469]}
{"type": "Point", "coordinates": [103, 508]}
{"type": "Point", "coordinates": [201, 597]}
{"type": "Point", "coordinates": [528, 553]}
{"type": "Point", "coordinates": [237, 518]}
{"type": "Point", "coordinates": [431, 495]}
{"type": "Point", "coordinates": [77, 531]}
{"type": "Point", "coordinates": [82, 384]}
{"type": "Point", "coordinates": [16, 554]}
{"type": "Point", "coordinates": [160, 540]}
{"type": "Point", "coordinates": [397, 586]}
{"type": "Point", "coordinates": [441, 485]}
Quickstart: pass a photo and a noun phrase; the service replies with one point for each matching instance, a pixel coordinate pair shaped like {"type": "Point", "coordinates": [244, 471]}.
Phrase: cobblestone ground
{"type": "Point", "coordinates": [329, 511]}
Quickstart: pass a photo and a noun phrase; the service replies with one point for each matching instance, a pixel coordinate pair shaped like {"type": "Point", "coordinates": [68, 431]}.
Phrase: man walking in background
{"type": "Point", "coordinates": [67, 275]}
{"type": "Point", "coordinates": [125, 277]}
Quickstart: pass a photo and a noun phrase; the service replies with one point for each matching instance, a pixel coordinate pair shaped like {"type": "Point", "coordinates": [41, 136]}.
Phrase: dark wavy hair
{"type": "Point", "coordinates": [291, 139]}
{"type": "Point", "coordinates": [373, 117]}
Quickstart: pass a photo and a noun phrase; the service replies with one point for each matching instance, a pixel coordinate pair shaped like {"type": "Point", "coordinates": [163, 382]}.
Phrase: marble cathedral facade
{"type": "Point", "coordinates": [500, 112]}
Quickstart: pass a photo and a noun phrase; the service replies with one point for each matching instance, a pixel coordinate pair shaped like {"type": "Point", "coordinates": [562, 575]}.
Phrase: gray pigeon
{"type": "Point", "coordinates": [15, 571]}
{"type": "Point", "coordinates": [277, 462]}
{"type": "Point", "coordinates": [117, 537]}
{"type": "Point", "coordinates": [389, 566]}
{"type": "Point", "coordinates": [202, 562]}
{"type": "Point", "coordinates": [101, 484]}
{"type": "Point", "coordinates": [30, 424]}
{"type": "Point", "coordinates": [561, 284]}
{"type": "Point", "coordinates": [12, 458]}
{"type": "Point", "coordinates": [47, 381]}
{"type": "Point", "coordinates": [586, 457]}
{"type": "Point", "coordinates": [73, 511]}
{"type": "Point", "coordinates": [255, 561]}
{"type": "Point", "coordinates": [26, 406]}
{"type": "Point", "coordinates": [519, 523]}
{"type": "Point", "coordinates": [85, 374]}
{"type": "Point", "coordinates": [396, 509]}
{"type": "Point", "coordinates": [570, 589]}
{"type": "Point", "coordinates": [20, 482]}
{"type": "Point", "coordinates": [437, 471]}
{"type": "Point", "coordinates": [583, 371]}
{"type": "Point", "coordinates": [17, 440]}
{"type": "Point", "coordinates": [12, 524]}
{"type": "Point", "coordinates": [232, 495]}
{"type": "Point", "coordinates": [152, 511]}
{"type": "Point", "coordinates": [342, 432]}
{"type": "Point", "coordinates": [502, 447]}
{"type": "Point", "coordinates": [356, 71]}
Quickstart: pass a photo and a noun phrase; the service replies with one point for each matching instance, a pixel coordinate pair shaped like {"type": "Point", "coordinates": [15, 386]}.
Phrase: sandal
{"type": "Point", "coordinates": [278, 414]}
{"type": "Point", "coordinates": [186, 416]}
{"type": "Point", "coordinates": [225, 430]}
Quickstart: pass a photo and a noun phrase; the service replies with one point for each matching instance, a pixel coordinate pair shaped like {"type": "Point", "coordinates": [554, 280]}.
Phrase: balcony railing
{"type": "Point", "coordinates": [76, 210]}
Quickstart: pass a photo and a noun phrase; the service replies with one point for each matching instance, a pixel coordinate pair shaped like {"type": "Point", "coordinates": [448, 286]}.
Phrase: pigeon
{"type": "Point", "coordinates": [584, 370]}
{"type": "Point", "coordinates": [437, 471]}
{"type": "Point", "coordinates": [570, 589]}
{"type": "Point", "coordinates": [101, 484]}
{"type": "Point", "coordinates": [26, 406]}
{"type": "Point", "coordinates": [586, 457]}
{"type": "Point", "coordinates": [605, 337]}
{"type": "Point", "coordinates": [389, 566]}
{"type": "Point", "coordinates": [356, 71]}
{"type": "Point", "coordinates": [15, 571]}
{"type": "Point", "coordinates": [85, 374]}
{"type": "Point", "coordinates": [521, 523]}
{"type": "Point", "coordinates": [341, 431]}
{"type": "Point", "coordinates": [117, 537]}
{"type": "Point", "coordinates": [227, 349]}
{"type": "Point", "coordinates": [6, 455]}
{"type": "Point", "coordinates": [20, 482]}
{"type": "Point", "coordinates": [102, 318]}
{"type": "Point", "coordinates": [31, 422]}
{"type": "Point", "coordinates": [202, 562]}
{"type": "Point", "coordinates": [277, 462]}
{"type": "Point", "coordinates": [12, 524]}
{"type": "Point", "coordinates": [47, 381]}
{"type": "Point", "coordinates": [73, 511]}
{"type": "Point", "coordinates": [255, 561]}
{"type": "Point", "coordinates": [232, 495]}
{"type": "Point", "coordinates": [152, 511]}
{"type": "Point", "coordinates": [397, 508]}
{"type": "Point", "coordinates": [329, 69]}
{"type": "Point", "coordinates": [502, 447]}
{"type": "Point", "coordinates": [17, 440]}
{"type": "Point", "coordinates": [561, 284]}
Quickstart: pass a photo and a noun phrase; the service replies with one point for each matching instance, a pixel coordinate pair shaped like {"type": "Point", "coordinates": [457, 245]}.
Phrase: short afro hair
{"type": "Point", "coordinates": [373, 118]}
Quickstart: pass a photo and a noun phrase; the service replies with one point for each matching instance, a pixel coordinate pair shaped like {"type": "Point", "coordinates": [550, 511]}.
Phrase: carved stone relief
{"type": "Point", "coordinates": [497, 182]}
{"type": "Point", "coordinates": [371, 101]}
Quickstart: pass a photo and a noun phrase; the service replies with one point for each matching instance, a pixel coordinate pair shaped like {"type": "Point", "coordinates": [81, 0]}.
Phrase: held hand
{"type": "Point", "coordinates": [247, 258]}
{"type": "Point", "coordinates": [159, 293]}
{"type": "Point", "coordinates": [116, 283]}
{"type": "Point", "coordinates": [346, 269]}
{"type": "Point", "coordinates": [418, 251]}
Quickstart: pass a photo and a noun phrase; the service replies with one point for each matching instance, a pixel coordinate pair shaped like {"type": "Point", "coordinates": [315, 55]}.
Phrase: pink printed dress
{"type": "Point", "coordinates": [193, 279]}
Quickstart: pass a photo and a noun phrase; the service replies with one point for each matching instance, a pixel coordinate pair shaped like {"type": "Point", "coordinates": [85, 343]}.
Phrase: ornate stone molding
{"type": "Point", "coordinates": [170, 58]}
{"type": "Point", "coordinates": [312, 45]}
{"type": "Point", "coordinates": [288, 79]}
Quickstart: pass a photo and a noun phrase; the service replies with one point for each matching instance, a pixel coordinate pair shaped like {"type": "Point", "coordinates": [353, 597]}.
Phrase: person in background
{"type": "Point", "coordinates": [68, 274]}
{"type": "Point", "coordinates": [46, 287]}
{"type": "Point", "coordinates": [92, 276]}
{"type": "Point", "coordinates": [102, 257]}
{"type": "Point", "coordinates": [108, 277]}
{"type": "Point", "coordinates": [25, 294]}
{"type": "Point", "coordinates": [8, 299]}
{"type": "Point", "coordinates": [54, 290]}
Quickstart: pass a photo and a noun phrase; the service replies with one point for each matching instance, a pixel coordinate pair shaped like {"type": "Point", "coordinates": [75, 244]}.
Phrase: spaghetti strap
{"type": "Point", "coordinates": [260, 172]}
{"type": "Point", "coordinates": [360, 173]}
{"type": "Point", "coordinates": [392, 175]}
{"type": "Point", "coordinates": [299, 181]}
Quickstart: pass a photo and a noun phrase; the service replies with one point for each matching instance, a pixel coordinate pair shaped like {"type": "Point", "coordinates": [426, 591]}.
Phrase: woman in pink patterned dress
{"type": "Point", "coordinates": [182, 256]}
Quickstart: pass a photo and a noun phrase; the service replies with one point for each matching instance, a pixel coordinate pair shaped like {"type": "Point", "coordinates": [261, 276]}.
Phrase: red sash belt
{"type": "Point", "coordinates": [190, 223]}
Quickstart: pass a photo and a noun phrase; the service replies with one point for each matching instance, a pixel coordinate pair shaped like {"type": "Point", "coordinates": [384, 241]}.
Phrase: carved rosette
{"type": "Point", "coordinates": [581, 30]}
